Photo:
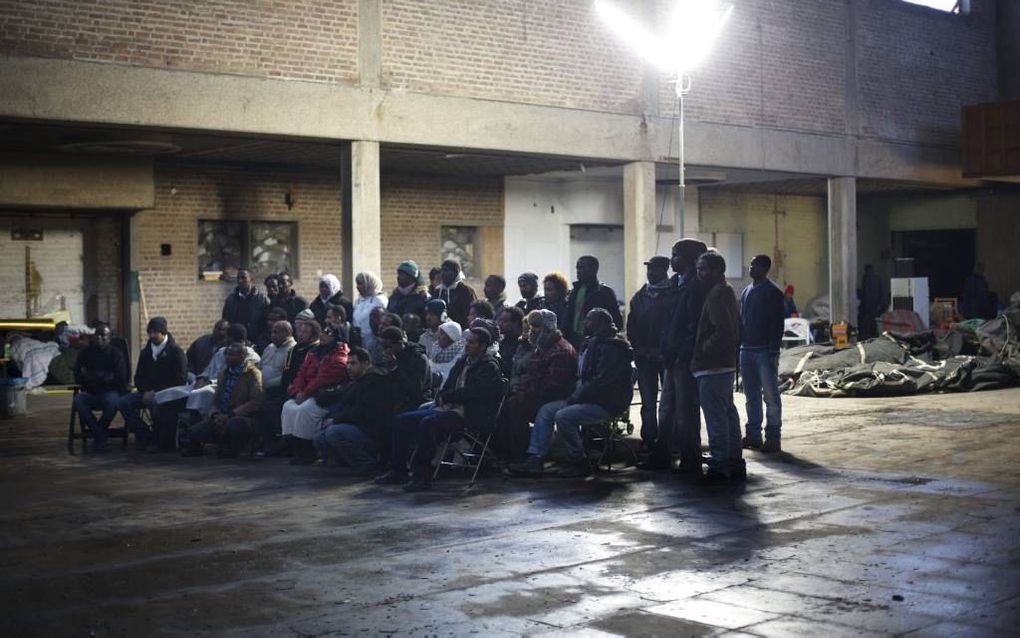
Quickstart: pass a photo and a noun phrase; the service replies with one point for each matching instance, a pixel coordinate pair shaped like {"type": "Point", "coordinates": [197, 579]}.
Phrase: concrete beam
{"type": "Point", "coordinates": [32, 182]}
{"type": "Point", "coordinates": [638, 223]}
{"type": "Point", "coordinates": [94, 93]}
{"type": "Point", "coordinates": [843, 249]}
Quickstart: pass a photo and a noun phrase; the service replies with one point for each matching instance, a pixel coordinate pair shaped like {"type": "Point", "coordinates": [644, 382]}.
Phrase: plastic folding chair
{"type": "Point", "coordinates": [796, 331]}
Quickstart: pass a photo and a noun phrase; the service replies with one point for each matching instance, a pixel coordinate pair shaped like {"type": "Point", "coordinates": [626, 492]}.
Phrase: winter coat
{"type": "Point", "coordinates": [558, 308]}
{"type": "Point", "coordinates": [413, 303]}
{"type": "Point", "coordinates": [295, 360]}
{"type": "Point", "coordinates": [650, 310]}
{"type": "Point", "coordinates": [682, 329]}
{"type": "Point", "coordinates": [320, 370]}
{"type": "Point", "coordinates": [481, 393]}
{"type": "Point", "coordinates": [168, 370]}
{"type": "Point", "coordinates": [458, 302]}
{"type": "Point", "coordinates": [366, 403]}
{"type": "Point", "coordinates": [318, 308]}
{"type": "Point", "coordinates": [551, 373]}
{"type": "Point", "coordinates": [599, 296]}
{"type": "Point", "coordinates": [412, 378]}
{"type": "Point", "coordinates": [527, 305]}
{"type": "Point", "coordinates": [201, 352]}
{"type": "Point", "coordinates": [99, 370]}
{"type": "Point", "coordinates": [249, 311]}
{"type": "Point", "coordinates": [606, 375]}
{"type": "Point", "coordinates": [507, 350]}
{"type": "Point", "coordinates": [292, 304]}
{"type": "Point", "coordinates": [718, 331]}
{"type": "Point", "coordinates": [246, 397]}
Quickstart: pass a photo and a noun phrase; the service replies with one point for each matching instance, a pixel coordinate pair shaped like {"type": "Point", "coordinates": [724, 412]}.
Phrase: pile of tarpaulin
{"type": "Point", "coordinates": [966, 359]}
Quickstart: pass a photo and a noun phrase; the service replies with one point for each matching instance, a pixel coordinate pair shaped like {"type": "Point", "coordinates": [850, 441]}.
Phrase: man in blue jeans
{"type": "Point", "coordinates": [161, 365]}
{"type": "Point", "coordinates": [714, 366]}
{"type": "Point", "coordinates": [101, 371]}
{"type": "Point", "coordinates": [604, 389]}
{"type": "Point", "coordinates": [762, 311]}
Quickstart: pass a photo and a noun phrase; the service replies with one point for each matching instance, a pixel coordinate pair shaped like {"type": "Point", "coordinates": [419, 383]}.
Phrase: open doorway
{"type": "Point", "coordinates": [945, 257]}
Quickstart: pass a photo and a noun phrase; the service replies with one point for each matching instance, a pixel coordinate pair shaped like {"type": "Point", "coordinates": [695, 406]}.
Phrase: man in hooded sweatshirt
{"type": "Point", "coordinates": [457, 294]}
{"type": "Point", "coordinates": [411, 293]}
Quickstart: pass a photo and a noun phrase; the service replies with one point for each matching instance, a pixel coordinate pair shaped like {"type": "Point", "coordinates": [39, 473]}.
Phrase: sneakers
{"type": "Point", "coordinates": [532, 467]}
{"type": "Point", "coordinates": [751, 444]}
{"type": "Point", "coordinates": [772, 446]}
{"type": "Point", "coordinates": [575, 469]}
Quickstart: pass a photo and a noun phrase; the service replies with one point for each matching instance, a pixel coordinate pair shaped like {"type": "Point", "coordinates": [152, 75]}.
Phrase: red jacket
{"type": "Point", "coordinates": [320, 371]}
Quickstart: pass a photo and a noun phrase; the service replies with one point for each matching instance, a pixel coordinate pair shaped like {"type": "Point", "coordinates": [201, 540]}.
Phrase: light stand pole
{"type": "Point", "coordinates": [683, 87]}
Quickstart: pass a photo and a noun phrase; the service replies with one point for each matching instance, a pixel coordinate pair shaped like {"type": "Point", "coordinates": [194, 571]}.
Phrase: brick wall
{"type": "Point", "coordinates": [776, 64]}
{"type": "Point", "coordinates": [294, 39]}
{"type": "Point", "coordinates": [552, 52]}
{"type": "Point", "coordinates": [171, 284]}
{"type": "Point", "coordinates": [415, 207]}
{"type": "Point", "coordinates": [917, 67]}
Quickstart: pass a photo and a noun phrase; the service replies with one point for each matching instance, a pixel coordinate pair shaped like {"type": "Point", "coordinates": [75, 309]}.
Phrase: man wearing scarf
{"type": "Point", "coordinates": [237, 400]}
{"type": "Point", "coordinates": [411, 293]}
{"type": "Point", "coordinates": [330, 292]}
{"type": "Point", "coordinates": [649, 311]}
{"type": "Point", "coordinates": [457, 294]}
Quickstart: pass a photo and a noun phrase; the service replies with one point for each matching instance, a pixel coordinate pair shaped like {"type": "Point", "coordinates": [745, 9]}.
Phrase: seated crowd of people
{"type": "Point", "coordinates": [371, 385]}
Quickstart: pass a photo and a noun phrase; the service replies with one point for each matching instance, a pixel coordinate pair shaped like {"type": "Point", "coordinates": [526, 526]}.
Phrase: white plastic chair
{"type": "Point", "coordinates": [796, 331]}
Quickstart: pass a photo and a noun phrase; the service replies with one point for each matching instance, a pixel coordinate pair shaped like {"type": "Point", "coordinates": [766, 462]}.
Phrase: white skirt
{"type": "Point", "coordinates": [303, 421]}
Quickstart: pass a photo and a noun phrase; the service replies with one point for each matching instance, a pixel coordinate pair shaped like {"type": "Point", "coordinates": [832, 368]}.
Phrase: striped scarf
{"type": "Point", "coordinates": [233, 374]}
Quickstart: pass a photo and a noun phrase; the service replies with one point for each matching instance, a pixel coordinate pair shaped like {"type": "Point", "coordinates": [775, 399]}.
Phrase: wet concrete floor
{"type": "Point", "coordinates": [884, 517]}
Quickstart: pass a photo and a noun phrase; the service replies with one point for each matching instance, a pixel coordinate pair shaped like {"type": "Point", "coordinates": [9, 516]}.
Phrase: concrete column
{"type": "Point", "coordinates": [638, 223]}
{"type": "Point", "coordinates": [843, 249]}
{"type": "Point", "coordinates": [362, 232]}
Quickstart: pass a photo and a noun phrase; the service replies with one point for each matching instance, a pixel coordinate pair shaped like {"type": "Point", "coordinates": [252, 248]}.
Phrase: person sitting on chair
{"type": "Point", "coordinates": [470, 395]}
{"type": "Point", "coordinates": [308, 333]}
{"type": "Point", "coordinates": [410, 369]}
{"type": "Point", "coordinates": [237, 399]}
{"type": "Point", "coordinates": [550, 376]}
{"type": "Point", "coordinates": [162, 364]}
{"type": "Point", "coordinates": [302, 416]}
{"type": "Point", "coordinates": [604, 390]}
{"type": "Point", "coordinates": [358, 423]}
{"type": "Point", "coordinates": [101, 371]}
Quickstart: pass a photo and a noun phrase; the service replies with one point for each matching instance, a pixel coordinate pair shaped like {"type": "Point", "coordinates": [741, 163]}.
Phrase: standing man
{"type": "Point", "coordinates": [588, 293]}
{"type": "Point", "coordinates": [677, 350]}
{"type": "Point", "coordinates": [495, 293]}
{"type": "Point", "coordinates": [287, 298]}
{"type": "Point", "coordinates": [201, 351]}
{"type": "Point", "coordinates": [457, 294]}
{"type": "Point", "coordinates": [101, 371]}
{"type": "Point", "coordinates": [762, 309]}
{"type": "Point", "coordinates": [530, 299]}
{"type": "Point", "coordinates": [247, 306]}
{"type": "Point", "coordinates": [162, 364]}
{"type": "Point", "coordinates": [714, 365]}
{"type": "Point", "coordinates": [649, 313]}
{"type": "Point", "coordinates": [511, 327]}
{"type": "Point", "coordinates": [411, 293]}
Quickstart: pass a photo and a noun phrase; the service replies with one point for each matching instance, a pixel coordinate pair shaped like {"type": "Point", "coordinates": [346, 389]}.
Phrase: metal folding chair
{"type": "Point", "coordinates": [478, 442]}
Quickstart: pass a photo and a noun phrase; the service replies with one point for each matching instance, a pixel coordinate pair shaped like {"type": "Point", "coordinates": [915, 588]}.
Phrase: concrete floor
{"type": "Point", "coordinates": [887, 516]}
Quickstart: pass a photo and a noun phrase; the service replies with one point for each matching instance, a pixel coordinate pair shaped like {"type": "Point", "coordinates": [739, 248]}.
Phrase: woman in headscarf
{"type": "Point", "coordinates": [369, 298]}
{"type": "Point", "coordinates": [329, 292]}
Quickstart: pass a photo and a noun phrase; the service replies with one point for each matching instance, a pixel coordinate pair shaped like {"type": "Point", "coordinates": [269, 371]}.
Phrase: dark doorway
{"type": "Point", "coordinates": [945, 257]}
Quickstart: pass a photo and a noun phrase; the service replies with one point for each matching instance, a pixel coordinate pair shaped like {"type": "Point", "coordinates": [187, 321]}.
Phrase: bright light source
{"type": "Point", "coordinates": [691, 30]}
{"type": "Point", "coordinates": [941, 5]}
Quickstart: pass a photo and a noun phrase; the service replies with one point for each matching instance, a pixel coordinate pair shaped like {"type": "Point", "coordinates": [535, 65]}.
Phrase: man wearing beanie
{"type": "Point", "coordinates": [530, 297]}
{"type": "Point", "coordinates": [411, 293]}
{"type": "Point", "coordinates": [162, 364]}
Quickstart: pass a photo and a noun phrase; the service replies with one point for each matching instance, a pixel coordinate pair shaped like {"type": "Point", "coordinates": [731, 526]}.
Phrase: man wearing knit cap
{"type": "Point", "coordinates": [677, 350]}
{"type": "Point", "coordinates": [650, 308]}
{"type": "Point", "coordinates": [530, 297]}
{"type": "Point", "coordinates": [162, 364]}
{"type": "Point", "coordinates": [411, 293]}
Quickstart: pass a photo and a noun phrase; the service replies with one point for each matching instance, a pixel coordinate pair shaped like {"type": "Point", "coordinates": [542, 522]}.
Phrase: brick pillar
{"type": "Point", "coordinates": [638, 224]}
{"type": "Point", "coordinates": [843, 249]}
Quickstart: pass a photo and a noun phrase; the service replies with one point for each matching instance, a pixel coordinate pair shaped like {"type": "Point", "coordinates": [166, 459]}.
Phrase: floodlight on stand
{"type": "Point", "coordinates": [691, 30]}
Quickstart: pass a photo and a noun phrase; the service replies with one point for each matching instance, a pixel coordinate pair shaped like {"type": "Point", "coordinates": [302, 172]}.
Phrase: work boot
{"type": "Point", "coordinates": [531, 467]}
{"type": "Point", "coordinates": [772, 446]}
{"type": "Point", "coordinates": [751, 444]}
{"type": "Point", "coordinates": [576, 469]}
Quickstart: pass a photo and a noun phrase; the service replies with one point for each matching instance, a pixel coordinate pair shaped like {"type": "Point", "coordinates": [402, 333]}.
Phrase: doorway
{"type": "Point", "coordinates": [945, 257]}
